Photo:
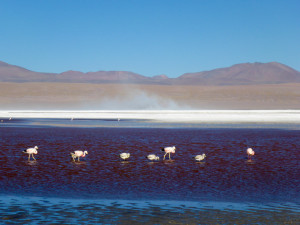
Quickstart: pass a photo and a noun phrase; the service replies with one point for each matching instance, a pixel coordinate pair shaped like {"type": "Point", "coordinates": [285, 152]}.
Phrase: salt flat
{"type": "Point", "coordinates": [195, 116]}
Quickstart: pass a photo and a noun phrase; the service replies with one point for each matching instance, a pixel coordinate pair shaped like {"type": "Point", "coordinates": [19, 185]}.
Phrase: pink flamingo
{"type": "Point", "coordinates": [168, 150]}
{"type": "Point", "coordinates": [250, 153]}
{"type": "Point", "coordinates": [152, 157]}
{"type": "Point", "coordinates": [78, 154]}
{"type": "Point", "coordinates": [31, 151]}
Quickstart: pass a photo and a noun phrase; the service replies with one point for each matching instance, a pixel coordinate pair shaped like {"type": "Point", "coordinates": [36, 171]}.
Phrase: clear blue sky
{"type": "Point", "coordinates": [149, 37]}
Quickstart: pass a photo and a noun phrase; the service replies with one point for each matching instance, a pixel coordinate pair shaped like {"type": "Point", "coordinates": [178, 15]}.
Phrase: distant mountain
{"type": "Point", "coordinates": [11, 73]}
{"type": "Point", "coordinates": [102, 77]}
{"type": "Point", "coordinates": [244, 73]}
{"type": "Point", "coordinates": [239, 74]}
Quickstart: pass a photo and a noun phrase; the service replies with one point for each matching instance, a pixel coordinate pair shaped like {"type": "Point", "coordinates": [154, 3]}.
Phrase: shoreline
{"type": "Point", "coordinates": [169, 116]}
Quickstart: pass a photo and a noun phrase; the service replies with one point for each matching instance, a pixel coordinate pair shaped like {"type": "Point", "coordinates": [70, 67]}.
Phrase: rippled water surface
{"type": "Point", "coordinates": [271, 177]}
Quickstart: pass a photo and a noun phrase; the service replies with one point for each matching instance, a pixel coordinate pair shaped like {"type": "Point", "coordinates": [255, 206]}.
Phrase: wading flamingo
{"type": "Point", "coordinates": [124, 156]}
{"type": "Point", "coordinates": [168, 150]}
{"type": "Point", "coordinates": [31, 151]}
{"type": "Point", "coordinates": [250, 153]}
{"type": "Point", "coordinates": [200, 157]}
{"type": "Point", "coordinates": [77, 154]}
{"type": "Point", "coordinates": [152, 157]}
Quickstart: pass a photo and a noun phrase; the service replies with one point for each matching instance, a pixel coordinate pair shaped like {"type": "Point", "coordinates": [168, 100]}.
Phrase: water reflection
{"type": "Point", "coordinates": [153, 163]}
{"type": "Point", "coordinates": [250, 161]}
{"type": "Point", "coordinates": [168, 161]}
{"type": "Point", "coordinates": [201, 165]}
{"type": "Point", "coordinates": [78, 163]}
{"type": "Point", "coordinates": [31, 163]}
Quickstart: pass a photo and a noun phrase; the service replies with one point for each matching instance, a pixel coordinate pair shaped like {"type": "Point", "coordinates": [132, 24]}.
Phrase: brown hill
{"type": "Point", "coordinates": [102, 77]}
{"type": "Point", "coordinates": [11, 73]}
{"type": "Point", "coordinates": [240, 74]}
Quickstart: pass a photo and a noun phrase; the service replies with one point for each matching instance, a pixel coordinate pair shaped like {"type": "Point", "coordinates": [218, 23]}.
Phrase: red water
{"type": "Point", "coordinates": [225, 175]}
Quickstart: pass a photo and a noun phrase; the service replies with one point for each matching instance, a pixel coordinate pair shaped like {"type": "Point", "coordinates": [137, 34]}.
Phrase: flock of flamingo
{"type": "Point", "coordinates": [152, 157]}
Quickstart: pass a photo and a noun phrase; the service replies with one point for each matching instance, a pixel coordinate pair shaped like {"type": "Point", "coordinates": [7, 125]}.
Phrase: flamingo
{"type": "Point", "coordinates": [78, 154]}
{"type": "Point", "coordinates": [250, 152]}
{"type": "Point", "coordinates": [124, 156]}
{"type": "Point", "coordinates": [31, 151]}
{"type": "Point", "coordinates": [168, 150]}
{"type": "Point", "coordinates": [200, 157]}
{"type": "Point", "coordinates": [152, 157]}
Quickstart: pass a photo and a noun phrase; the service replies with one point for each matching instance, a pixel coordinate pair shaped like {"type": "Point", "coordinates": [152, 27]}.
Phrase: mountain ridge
{"type": "Point", "coordinates": [238, 74]}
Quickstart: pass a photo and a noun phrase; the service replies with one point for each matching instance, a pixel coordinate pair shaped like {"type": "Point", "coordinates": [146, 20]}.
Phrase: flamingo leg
{"type": "Point", "coordinates": [169, 155]}
{"type": "Point", "coordinates": [165, 156]}
{"type": "Point", "coordinates": [78, 158]}
{"type": "Point", "coordinates": [28, 157]}
{"type": "Point", "coordinates": [33, 157]}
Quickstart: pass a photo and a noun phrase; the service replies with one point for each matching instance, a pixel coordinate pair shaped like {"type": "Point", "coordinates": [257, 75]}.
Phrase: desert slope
{"type": "Point", "coordinates": [77, 96]}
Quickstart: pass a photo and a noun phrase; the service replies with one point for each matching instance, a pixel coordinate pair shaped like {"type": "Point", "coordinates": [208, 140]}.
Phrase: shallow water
{"type": "Point", "coordinates": [35, 210]}
{"type": "Point", "coordinates": [267, 184]}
